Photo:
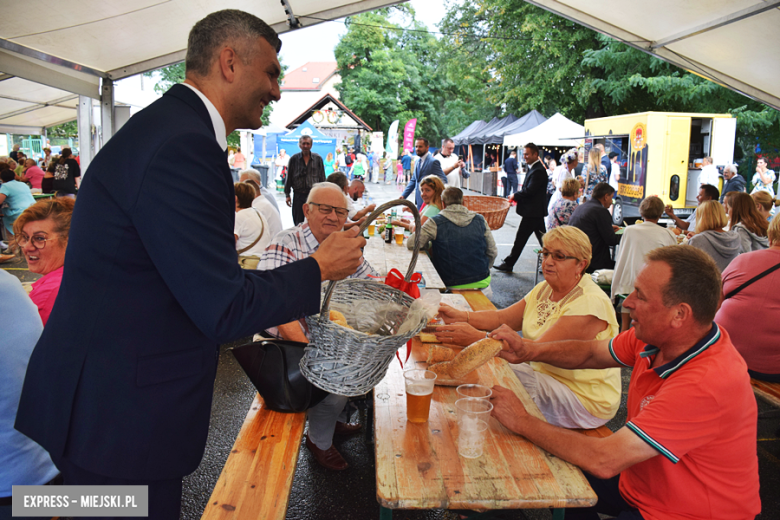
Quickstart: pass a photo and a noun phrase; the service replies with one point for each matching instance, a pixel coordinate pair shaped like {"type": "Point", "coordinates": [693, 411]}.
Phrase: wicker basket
{"type": "Point", "coordinates": [494, 209]}
{"type": "Point", "coordinates": [349, 362]}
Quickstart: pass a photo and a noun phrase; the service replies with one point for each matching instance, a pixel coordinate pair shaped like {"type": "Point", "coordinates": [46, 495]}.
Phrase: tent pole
{"type": "Point", "coordinates": [84, 123]}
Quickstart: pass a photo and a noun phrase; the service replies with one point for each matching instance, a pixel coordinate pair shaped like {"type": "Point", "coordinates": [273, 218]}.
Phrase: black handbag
{"type": "Point", "coordinates": [273, 367]}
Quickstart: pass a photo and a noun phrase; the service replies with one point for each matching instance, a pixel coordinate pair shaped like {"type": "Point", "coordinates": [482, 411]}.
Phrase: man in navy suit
{"type": "Point", "coordinates": [426, 165]}
{"type": "Point", "coordinates": [118, 389]}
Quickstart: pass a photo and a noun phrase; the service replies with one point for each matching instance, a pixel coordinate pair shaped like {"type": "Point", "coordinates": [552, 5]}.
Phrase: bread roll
{"type": "Point", "coordinates": [473, 357]}
{"type": "Point", "coordinates": [437, 353]}
{"type": "Point", "coordinates": [339, 319]}
{"type": "Point", "coordinates": [441, 369]}
{"type": "Point", "coordinates": [427, 337]}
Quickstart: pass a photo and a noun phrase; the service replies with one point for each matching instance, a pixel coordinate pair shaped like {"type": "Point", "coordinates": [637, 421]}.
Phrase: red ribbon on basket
{"type": "Point", "coordinates": [396, 279]}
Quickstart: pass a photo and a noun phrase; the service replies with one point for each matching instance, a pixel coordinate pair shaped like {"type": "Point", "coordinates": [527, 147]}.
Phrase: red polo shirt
{"type": "Point", "coordinates": [699, 412]}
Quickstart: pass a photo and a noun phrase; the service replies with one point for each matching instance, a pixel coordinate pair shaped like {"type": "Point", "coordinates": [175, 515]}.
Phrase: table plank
{"type": "Point", "coordinates": [383, 257]}
{"type": "Point", "coordinates": [258, 474]}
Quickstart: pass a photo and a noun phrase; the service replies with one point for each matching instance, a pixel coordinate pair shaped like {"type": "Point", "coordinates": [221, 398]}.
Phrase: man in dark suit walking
{"type": "Point", "coordinates": [531, 205]}
{"type": "Point", "coordinates": [118, 389]}
{"type": "Point", "coordinates": [426, 165]}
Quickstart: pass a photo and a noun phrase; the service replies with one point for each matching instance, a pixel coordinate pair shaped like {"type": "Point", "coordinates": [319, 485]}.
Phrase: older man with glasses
{"type": "Point", "coordinates": [326, 212]}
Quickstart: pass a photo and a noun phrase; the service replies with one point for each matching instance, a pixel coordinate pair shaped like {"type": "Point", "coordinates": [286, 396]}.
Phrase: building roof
{"type": "Point", "coordinates": [324, 100]}
{"type": "Point", "coordinates": [310, 76]}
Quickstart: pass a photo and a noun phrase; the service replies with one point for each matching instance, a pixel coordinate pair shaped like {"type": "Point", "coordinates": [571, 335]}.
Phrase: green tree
{"type": "Point", "coordinates": [69, 129]}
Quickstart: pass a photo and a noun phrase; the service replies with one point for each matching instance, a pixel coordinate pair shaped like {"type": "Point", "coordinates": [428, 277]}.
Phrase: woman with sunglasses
{"type": "Point", "coordinates": [41, 232]}
{"type": "Point", "coordinates": [566, 305]}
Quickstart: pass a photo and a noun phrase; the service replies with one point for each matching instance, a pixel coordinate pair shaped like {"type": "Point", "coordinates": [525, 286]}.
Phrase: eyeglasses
{"type": "Point", "coordinates": [38, 241]}
{"type": "Point", "coordinates": [325, 209]}
{"type": "Point", "coordinates": [557, 255]}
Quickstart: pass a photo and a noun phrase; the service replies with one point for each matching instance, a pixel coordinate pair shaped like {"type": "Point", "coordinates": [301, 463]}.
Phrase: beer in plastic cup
{"type": "Point", "coordinates": [399, 235]}
{"type": "Point", "coordinates": [473, 419]}
{"type": "Point", "coordinates": [419, 390]}
{"type": "Point", "coordinates": [478, 391]}
{"type": "Point", "coordinates": [371, 229]}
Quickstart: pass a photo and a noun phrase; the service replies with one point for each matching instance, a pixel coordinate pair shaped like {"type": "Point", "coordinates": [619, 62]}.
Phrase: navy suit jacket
{"type": "Point", "coordinates": [431, 167]}
{"type": "Point", "coordinates": [121, 380]}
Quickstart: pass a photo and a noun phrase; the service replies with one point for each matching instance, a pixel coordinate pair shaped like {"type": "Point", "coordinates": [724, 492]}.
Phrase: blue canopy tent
{"type": "Point", "coordinates": [322, 144]}
{"type": "Point", "coordinates": [265, 142]}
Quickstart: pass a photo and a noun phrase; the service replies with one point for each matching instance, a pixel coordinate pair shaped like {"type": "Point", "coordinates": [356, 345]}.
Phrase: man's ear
{"type": "Point", "coordinates": [683, 316]}
{"type": "Point", "coordinates": [227, 63]}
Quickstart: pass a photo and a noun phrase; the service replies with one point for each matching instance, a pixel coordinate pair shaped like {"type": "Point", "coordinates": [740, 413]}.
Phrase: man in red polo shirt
{"type": "Point", "coordinates": [688, 450]}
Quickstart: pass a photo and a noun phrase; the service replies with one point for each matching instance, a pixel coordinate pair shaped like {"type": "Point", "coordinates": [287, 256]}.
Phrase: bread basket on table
{"type": "Point", "coordinates": [349, 362]}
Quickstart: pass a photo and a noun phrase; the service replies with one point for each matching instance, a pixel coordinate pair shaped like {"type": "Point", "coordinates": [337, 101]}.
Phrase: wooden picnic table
{"type": "Point", "coordinates": [418, 466]}
{"type": "Point", "coordinates": [383, 257]}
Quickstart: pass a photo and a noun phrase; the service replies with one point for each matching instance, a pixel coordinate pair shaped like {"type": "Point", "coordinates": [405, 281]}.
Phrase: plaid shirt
{"type": "Point", "coordinates": [295, 244]}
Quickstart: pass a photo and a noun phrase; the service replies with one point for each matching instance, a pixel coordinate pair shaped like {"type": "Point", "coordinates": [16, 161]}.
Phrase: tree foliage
{"type": "Point", "coordinates": [66, 130]}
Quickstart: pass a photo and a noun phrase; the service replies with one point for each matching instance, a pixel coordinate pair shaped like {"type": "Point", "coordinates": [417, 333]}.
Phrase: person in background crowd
{"type": "Point", "coordinates": [330, 164]}
{"type": "Point", "coordinates": [431, 188]}
{"type": "Point", "coordinates": [732, 181]}
{"type": "Point", "coordinates": [563, 209]}
{"type": "Point", "coordinates": [254, 175]}
{"type": "Point", "coordinates": [359, 167]}
{"type": "Point", "coordinates": [594, 219]}
{"type": "Point", "coordinates": [686, 372]}
{"type": "Point", "coordinates": [119, 388]}
{"type": "Point", "coordinates": [41, 232]}
{"type": "Point", "coordinates": [33, 174]}
{"type": "Point", "coordinates": [510, 167]}
{"type": "Point", "coordinates": [325, 213]}
{"type": "Point", "coordinates": [765, 203]}
{"type": "Point", "coordinates": [462, 245]}
{"type": "Point", "coordinates": [239, 161]}
{"type": "Point", "coordinates": [304, 171]}
{"type": "Point", "coordinates": [22, 461]}
{"type": "Point", "coordinates": [251, 230]}
{"type": "Point", "coordinates": [450, 163]}
{"type": "Point", "coordinates": [47, 158]}
{"type": "Point", "coordinates": [14, 153]}
{"type": "Point", "coordinates": [637, 241]}
{"type": "Point", "coordinates": [567, 304]}
{"type": "Point", "coordinates": [748, 222]}
{"type": "Point", "coordinates": [561, 173]}
{"type": "Point", "coordinates": [603, 158]}
{"type": "Point", "coordinates": [354, 193]}
{"type": "Point", "coordinates": [580, 163]}
{"type": "Point", "coordinates": [15, 197]}
{"type": "Point", "coordinates": [260, 203]}
{"type": "Point", "coordinates": [706, 192]}
{"type": "Point", "coordinates": [745, 313]}
{"type": "Point", "coordinates": [341, 161]}
{"type": "Point", "coordinates": [375, 167]}
{"type": "Point", "coordinates": [722, 246]}
{"type": "Point", "coordinates": [426, 165]}
{"type": "Point", "coordinates": [231, 158]}
{"type": "Point", "coordinates": [12, 165]}
{"type": "Point", "coordinates": [47, 183]}
{"type": "Point", "coordinates": [764, 178]}
{"type": "Point", "coordinates": [406, 162]}
{"type": "Point", "coordinates": [595, 172]}
{"type": "Point", "coordinates": [709, 173]}
{"type": "Point", "coordinates": [614, 170]}
{"type": "Point", "coordinates": [531, 205]}
{"type": "Point", "coordinates": [67, 176]}
{"type": "Point", "coordinates": [281, 163]}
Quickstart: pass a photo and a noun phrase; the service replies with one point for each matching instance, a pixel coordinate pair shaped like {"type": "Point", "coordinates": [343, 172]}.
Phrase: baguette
{"type": "Point", "coordinates": [473, 357]}
{"type": "Point", "coordinates": [437, 353]}
{"type": "Point", "coordinates": [441, 369]}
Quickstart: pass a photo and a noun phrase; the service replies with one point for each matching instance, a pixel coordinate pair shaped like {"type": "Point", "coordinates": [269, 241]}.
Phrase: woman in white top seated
{"type": "Point", "coordinates": [637, 241]}
{"type": "Point", "coordinates": [251, 228]}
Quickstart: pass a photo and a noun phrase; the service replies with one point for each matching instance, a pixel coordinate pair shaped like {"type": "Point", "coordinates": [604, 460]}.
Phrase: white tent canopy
{"type": "Point", "coordinates": [549, 133]}
{"type": "Point", "coordinates": [83, 47]}
{"type": "Point", "coordinates": [732, 42]}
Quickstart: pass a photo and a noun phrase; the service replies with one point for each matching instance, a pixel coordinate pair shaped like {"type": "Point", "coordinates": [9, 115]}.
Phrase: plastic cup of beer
{"type": "Point", "coordinates": [477, 391]}
{"type": "Point", "coordinates": [371, 229]}
{"type": "Point", "coordinates": [399, 235]}
{"type": "Point", "coordinates": [419, 390]}
{"type": "Point", "coordinates": [473, 419]}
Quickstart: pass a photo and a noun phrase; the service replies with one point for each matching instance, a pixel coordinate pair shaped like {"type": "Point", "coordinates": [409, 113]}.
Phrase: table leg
{"type": "Point", "coordinates": [385, 514]}
{"type": "Point", "coordinates": [558, 514]}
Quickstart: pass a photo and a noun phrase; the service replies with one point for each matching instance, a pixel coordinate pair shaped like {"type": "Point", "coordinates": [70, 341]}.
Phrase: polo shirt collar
{"type": "Point", "coordinates": [671, 367]}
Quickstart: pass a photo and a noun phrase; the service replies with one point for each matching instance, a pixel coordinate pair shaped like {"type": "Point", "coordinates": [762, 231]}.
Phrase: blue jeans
{"type": "Point", "coordinates": [610, 502]}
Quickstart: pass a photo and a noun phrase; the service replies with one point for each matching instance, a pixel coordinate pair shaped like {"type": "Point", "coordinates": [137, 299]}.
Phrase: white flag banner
{"type": "Point", "coordinates": [392, 140]}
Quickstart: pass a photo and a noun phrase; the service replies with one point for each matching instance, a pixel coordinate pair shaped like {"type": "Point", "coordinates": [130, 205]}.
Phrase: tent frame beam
{"type": "Point", "coordinates": [48, 58]}
{"type": "Point", "coordinates": [717, 23]}
{"type": "Point", "coordinates": [50, 75]}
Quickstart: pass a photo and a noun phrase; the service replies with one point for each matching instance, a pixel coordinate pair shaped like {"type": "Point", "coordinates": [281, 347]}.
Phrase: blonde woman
{"type": "Point", "coordinates": [330, 164]}
{"type": "Point", "coordinates": [565, 206]}
{"type": "Point", "coordinates": [431, 188]}
{"type": "Point", "coordinates": [595, 172]}
{"type": "Point", "coordinates": [765, 203]}
{"type": "Point", "coordinates": [722, 246]}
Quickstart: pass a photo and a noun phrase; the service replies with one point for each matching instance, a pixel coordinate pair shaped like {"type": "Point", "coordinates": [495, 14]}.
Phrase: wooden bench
{"type": "Point", "coordinates": [769, 391]}
{"type": "Point", "coordinates": [258, 474]}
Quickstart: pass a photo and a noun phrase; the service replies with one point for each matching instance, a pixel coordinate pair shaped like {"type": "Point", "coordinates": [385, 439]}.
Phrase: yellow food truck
{"type": "Point", "coordinates": [660, 154]}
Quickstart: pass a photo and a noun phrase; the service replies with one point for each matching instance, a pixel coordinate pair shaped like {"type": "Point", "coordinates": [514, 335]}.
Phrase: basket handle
{"type": "Point", "coordinates": [369, 219]}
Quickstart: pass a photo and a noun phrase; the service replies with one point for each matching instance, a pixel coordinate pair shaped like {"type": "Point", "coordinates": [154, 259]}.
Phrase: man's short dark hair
{"type": "Point", "coordinates": [452, 195]}
{"type": "Point", "coordinates": [601, 189]}
{"type": "Point", "coordinates": [695, 280]}
{"type": "Point", "coordinates": [612, 155]}
{"type": "Point", "coordinates": [338, 178]}
{"type": "Point", "coordinates": [305, 137]}
{"type": "Point", "coordinates": [711, 191]}
{"type": "Point", "coordinates": [7, 175]}
{"type": "Point", "coordinates": [513, 152]}
{"type": "Point", "coordinates": [424, 140]}
{"type": "Point", "coordinates": [533, 148]}
{"type": "Point", "coordinates": [227, 27]}
{"type": "Point", "coordinates": [447, 140]}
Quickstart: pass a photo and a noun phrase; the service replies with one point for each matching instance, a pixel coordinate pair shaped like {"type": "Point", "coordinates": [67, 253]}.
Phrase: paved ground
{"type": "Point", "coordinates": [319, 494]}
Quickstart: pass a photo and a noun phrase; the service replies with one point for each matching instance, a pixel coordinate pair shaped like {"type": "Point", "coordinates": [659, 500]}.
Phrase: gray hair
{"type": "Point", "coordinates": [651, 208]}
{"type": "Point", "coordinates": [227, 27]}
{"type": "Point", "coordinates": [730, 168]}
{"type": "Point", "coordinates": [452, 195]}
{"type": "Point", "coordinates": [252, 174]}
{"type": "Point", "coordinates": [303, 137]}
{"type": "Point", "coordinates": [326, 186]}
